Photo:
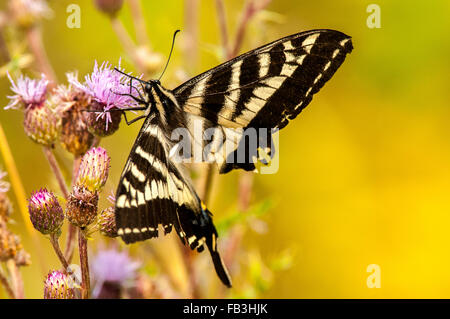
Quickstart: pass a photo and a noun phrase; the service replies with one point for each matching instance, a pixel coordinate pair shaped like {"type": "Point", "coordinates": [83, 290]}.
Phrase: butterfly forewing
{"type": "Point", "coordinates": [266, 87]}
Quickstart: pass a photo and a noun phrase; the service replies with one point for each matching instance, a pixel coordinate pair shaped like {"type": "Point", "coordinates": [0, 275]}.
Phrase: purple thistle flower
{"type": "Point", "coordinates": [113, 266]}
{"type": "Point", "coordinates": [58, 285]}
{"type": "Point", "coordinates": [28, 92]}
{"type": "Point", "coordinates": [106, 86]}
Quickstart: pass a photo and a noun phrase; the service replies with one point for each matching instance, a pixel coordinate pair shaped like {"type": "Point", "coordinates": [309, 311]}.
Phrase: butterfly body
{"type": "Point", "coordinates": [264, 88]}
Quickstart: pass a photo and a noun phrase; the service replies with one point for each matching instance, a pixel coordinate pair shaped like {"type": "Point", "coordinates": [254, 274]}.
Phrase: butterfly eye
{"type": "Point", "coordinates": [148, 88]}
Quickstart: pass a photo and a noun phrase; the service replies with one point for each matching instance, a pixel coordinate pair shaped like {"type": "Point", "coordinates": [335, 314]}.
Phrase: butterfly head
{"type": "Point", "coordinates": [149, 86]}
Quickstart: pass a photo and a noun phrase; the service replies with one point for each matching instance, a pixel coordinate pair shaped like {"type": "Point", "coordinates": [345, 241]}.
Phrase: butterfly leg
{"type": "Point", "coordinates": [133, 87]}
{"type": "Point", "coordinates": [133, 120]}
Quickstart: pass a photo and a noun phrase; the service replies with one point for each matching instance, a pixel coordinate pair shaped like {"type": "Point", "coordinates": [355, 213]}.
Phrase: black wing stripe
{"type": "Point", "coordinates": [251, 75]}
{"type": "Point", "coordinates": [212, 104]}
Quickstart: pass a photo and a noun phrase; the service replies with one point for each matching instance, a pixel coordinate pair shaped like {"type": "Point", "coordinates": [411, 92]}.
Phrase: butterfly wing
{"type": "Point", "coordinates": [153, 192]}
{"type": "Point", "coordinates": [266, 87]}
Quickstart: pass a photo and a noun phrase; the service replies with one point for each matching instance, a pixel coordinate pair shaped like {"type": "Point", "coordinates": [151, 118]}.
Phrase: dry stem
{"type": "Point", "coordinates": [84, 262]}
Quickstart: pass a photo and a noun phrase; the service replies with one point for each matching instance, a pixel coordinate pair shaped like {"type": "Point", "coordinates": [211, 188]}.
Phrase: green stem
{"type": "Point", "coordinates": [57, 248]}
{"type": "Point", "coordinates": [56, 170]}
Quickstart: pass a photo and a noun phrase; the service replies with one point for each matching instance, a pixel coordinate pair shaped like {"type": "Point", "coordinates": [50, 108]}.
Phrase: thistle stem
{"type": "Point", "coordinates": [34, 38]}
{"type": "Point", "coordinates": [127, 43]}
{"type": "Point", "coordinates": [190, 43]}
{"type": "Point", "coordinates": [7, 286]}
{"type": "Point", "coordinates": [16, 278]}
{"type": "Point", "coordinates": [221, 17]}
{"type": "Point", "coordinates": [4, 52]}
{"type": "Point", "coordinates": [250, 10]}
{"type": "Point", "coordinates": [84, 262]}
{"type": "Point", "coordinates": [139, 22]}
{"type": "Point", "coordinates": [56, 170]}
{"type": "Point", "coordinates": [57, 248]}
{"type": "Point", "coordinates": [72, 230]}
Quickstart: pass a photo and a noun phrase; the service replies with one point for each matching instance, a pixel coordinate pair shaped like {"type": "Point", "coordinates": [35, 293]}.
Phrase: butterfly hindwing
{"type": "Point", "coordinates": [154, 192]}
{"type": "Point", "coordinates": [266, 87]}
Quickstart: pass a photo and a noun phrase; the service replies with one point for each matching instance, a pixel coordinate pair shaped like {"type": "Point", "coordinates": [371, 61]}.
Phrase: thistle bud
{"type": "Point", "coordinates": [75, 138]}
{"type": "Point", "coordinates": [58, 285]}
{"type": "Point", "coordinates": [46, 214]}
{"type": "Point", "coordinates": [99, 127]}
{"type": "Point", "coordinates": [41, 124]}
{"type": "Point", "coordinates": [9, 244]}
{"type": "Point", "coordinates": [81, 209]}
{"type": "Point", "coordinates": [110, 7]}
{"type": "Point", "coordinates": [106, 222]}
{"type": "Point", "coordinates": [94, 169]}
{"type": "Point", "coordinates": [72, 103]}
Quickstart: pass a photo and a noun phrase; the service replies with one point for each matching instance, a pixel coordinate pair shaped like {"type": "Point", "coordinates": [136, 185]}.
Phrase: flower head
{"type": "Point", "coordinates": [106, 87]}
{"type": "Point", "coordinates": [113, 266]}
{"type": "Point", "coordinates": [58, 285]}
{"type": "Point", "coordinates": [72, 102]}
{"type": "Point", "coordinates": [110, 7]}
{"type": "Point", "coordinates": [106, 222]}
{"type": "Point", "coordinates": [28, 12]}
{"type": "Point", "coordinates": [46, 214]}
{"type": "Point", "coordinates": [42, 124]}
{"type": "Point", "coordinates": [28, 92]}
{"type": "Point", "coordinates": [94, 169]}
{"type": "Point", "coordinates": [81, 208]}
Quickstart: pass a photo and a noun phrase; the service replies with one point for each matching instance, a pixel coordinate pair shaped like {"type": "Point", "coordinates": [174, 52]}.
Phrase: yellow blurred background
{"type": "Point", "coordinates": [364, 173]}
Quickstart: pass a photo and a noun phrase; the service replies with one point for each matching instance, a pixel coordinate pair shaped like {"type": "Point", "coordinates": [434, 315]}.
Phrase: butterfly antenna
{"type": "Point", "coordinates": [170, 54]}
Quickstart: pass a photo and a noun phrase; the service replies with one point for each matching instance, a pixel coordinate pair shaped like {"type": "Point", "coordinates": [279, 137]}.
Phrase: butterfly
{"type": "Point", "coordinates": [263, 88]}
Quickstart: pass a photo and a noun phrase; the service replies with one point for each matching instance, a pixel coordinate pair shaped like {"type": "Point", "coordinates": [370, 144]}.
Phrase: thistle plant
{"type": "Point", "coordinates": [109, 94]}
{"type": "Point", "coordinates": [12, 253]}
{"type": "Point", "coordinates": [71, 103]}
{"type": "Point", "coordinates": [76, 115]}
{"type": "Point", "coordinates": [46, 213]}
{"type": "Point", "coordinates": [59, 285]}
{"type": "Point", "coordinates": [114, 271]}
{"type": "Point", "coordinates": [106, 222]}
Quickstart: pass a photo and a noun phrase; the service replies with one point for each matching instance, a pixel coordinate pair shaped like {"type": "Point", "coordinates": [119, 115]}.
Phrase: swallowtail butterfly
{"type": "Point", "coordinates": [263, 88]}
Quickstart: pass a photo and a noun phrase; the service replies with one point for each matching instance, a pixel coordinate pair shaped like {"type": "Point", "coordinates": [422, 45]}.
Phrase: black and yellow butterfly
{"type": "Point", "coordinates": [263, 88]}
